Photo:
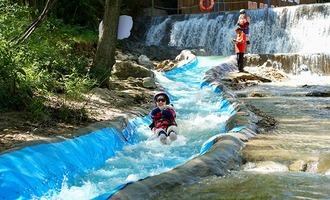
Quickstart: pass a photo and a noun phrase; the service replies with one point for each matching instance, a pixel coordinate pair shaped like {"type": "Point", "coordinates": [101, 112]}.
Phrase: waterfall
{"type": "Point", "coordinates": [295, 29]}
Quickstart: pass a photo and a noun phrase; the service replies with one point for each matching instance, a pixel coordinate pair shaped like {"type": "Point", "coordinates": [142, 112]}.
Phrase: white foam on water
{"type": "Point", "coordinates": [198, 117]}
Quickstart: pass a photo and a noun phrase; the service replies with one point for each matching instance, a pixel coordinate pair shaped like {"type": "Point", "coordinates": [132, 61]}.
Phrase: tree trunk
{"type": "Point", "coordinates": [33, 5]}
{"type": "Point", "coordinates": [105, 54]}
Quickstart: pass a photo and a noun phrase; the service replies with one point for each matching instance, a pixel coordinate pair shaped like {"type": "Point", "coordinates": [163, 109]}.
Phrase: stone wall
{"type": "Point", "coordinates": [317, 63]}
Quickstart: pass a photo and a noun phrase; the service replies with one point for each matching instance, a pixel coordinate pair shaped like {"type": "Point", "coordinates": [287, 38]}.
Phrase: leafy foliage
{"type": "Point", "coordinates": [53, 62]}
{"type": "Point", "coordinates": [79, 12]}
{"type": "Point", "coordinates": [13, 92]}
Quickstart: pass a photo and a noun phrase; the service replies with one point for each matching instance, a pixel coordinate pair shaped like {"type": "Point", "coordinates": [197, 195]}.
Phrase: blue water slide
{"type": "Point", "coordinates": [33, 171]}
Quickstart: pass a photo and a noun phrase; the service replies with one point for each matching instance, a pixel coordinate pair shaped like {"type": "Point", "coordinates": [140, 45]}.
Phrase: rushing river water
{"type": "Point", "coordinates": [199, 118]}
{"type": "Point", "coordinates": [291, 162]}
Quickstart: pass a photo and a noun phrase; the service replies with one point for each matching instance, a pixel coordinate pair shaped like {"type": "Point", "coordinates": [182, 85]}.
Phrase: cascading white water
{"type": "Point", "coordinates": [295, 29]}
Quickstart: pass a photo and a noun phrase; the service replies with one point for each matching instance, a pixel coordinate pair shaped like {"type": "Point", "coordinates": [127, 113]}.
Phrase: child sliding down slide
{"type": "Point", "coordinates": [163, 118]}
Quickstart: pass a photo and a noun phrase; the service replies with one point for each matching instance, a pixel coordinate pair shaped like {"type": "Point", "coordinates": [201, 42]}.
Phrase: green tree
{"type": "Point", "coordinates": [105, 54]}
{"type": "Point", "coordinates": [29, 30]}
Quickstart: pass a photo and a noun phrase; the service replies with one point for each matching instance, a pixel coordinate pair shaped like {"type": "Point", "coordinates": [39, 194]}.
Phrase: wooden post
{"type": "Point", "coordinates": [152, 8]}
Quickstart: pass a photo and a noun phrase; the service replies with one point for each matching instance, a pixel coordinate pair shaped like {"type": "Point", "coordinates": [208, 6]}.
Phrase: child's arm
{"type": "Point", "coordinates": [154, 112]}
{"type": "Point", "coordinates": [239, 39]}
{"type": "Point", "coordinates": [169, 112]}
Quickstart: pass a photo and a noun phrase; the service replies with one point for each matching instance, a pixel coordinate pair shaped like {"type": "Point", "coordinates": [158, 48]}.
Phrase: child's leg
{"type": "Point", "coordinates": [246, 31]}
{"type": "Point", "coordinates": [159, 132]}
{"type": "Point", "coordinates": [162, 135]}
{"type": "Point", "coordinates": [172, 133]}
{"type": "Point", "coordinates": [248, 42]}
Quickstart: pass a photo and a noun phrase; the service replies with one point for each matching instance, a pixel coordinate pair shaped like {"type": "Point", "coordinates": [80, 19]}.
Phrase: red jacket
{"type": "Point", "coordinates": [243, 22]}
{"type": "Point", "coordinates": [163, 118]}
{"type": "Point", "coordinates": [240, 45]}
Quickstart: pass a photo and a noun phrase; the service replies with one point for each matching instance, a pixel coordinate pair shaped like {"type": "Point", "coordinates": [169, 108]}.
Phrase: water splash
{"type": "Point", "coordinates": [199, 118]}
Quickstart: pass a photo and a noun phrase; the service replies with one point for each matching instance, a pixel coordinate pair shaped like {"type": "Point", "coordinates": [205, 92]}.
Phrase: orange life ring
{"type": "Point", "coordinates": [203, 8]}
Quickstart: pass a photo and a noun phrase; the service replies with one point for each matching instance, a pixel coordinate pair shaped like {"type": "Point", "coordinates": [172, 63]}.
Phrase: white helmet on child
{"type": "Point", "coordinates": [163, 94]}
{"type": "Point", "coordinates": [242, 11]}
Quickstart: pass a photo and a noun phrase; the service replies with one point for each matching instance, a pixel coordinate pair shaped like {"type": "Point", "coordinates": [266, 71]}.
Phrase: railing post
{"type": "Point", "coordinates": [152, 8]}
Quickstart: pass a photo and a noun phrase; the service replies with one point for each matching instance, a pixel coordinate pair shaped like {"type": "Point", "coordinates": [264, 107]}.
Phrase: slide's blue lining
{"type": "Point", "coordinates": [183, 68]}
{"type": "Point", "coordinates": [37, 169]}
{"type": "Point", "coordinates": [224, 106]}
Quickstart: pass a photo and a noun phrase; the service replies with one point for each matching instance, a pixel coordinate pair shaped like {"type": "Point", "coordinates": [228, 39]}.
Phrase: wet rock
{"type": "Point", "coordinates": [183, 58]}
{"type": "Point", "coordinates": [149, 82]}
{"type": "Point", "coordinates": [257, 94]}
{"type": "Point", "coordinates": [154, 52]}
{"type": "Point", "coordinates": [145, 61]}
{"type": "Point", "coordinates": [165, 65]}
{"type": "Point", "coordinates": [220, 73]}
{"type": "Point", "coordinates": [245, 77]}
{"type": "Point", "coordinates": [241, 95]}
{"type": "Point", "coordinates": [121, 55]}
{"type": "Point", "coordinates": [267, 73]}
{"type": "Point", "coordinates": [265, 121]}
{"type": "Point", "coordinates": [201, 52]}
{"type": "Point", "coordinates": [266, 166]}
{"type": "Point", "coordinates": [241, 136]}
{"type": "Point", "coordinates": [318, 94]}
{"type": "Point", "coordinates": [298, 165]}
{"type": "Point", "coordinates": [306, 86]}
{"type": "Point", "coordinates": [312, 166]}
{"type": "Point", "coordinates": [125, 69]}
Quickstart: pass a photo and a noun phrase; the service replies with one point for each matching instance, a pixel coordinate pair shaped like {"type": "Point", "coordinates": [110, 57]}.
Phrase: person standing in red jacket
{"type": "Point", "coordinates": [240, 45]}
{"type": "Point", "coordinates": [163, 118]}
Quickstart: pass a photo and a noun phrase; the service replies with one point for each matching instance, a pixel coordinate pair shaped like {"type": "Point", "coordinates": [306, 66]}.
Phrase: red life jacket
{"type": "Point", "coordinates": [160, 121]}
{"type": "Point", "coordinates": [243, 22]}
